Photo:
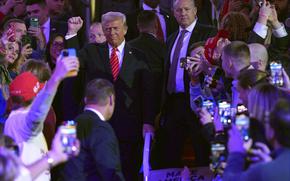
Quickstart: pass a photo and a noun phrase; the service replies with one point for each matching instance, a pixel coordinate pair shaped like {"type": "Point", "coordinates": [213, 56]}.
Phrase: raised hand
{"type": "Point", "coordinates": [74, 25]}
{"type": "Point", "coordinates": [273, 18]}
{"type": "Point", "coordinates": [235, 143]}
{"type": "Point", "coordinates": [7, 7]}
{"type": "Point", "coordinates": [66, 65]}
{"type": "Point", "coordinates": [57, 149]}
{"type": "Point", "coordinates": [264, 12]}
{"type": "Point", "coordinates": [286, 80]}
{"type": "Point", "coordinates": [205, 116]}
{"type": "Point", "coordinates": [38, 34]}
{"type": "Point", "coordinates": [26, 50]}
{"type": "Point", "coordinates": [9, 35]}
{"type": "Point", "coordinates": [148, 128]}
{"type": "Point", "coordinates": [217, 121]}
{"type": "Point", "coordinates": [261, 153]}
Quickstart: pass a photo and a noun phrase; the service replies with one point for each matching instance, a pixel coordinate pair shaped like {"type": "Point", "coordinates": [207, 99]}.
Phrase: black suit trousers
{"type": "Point", "coordinates": [178, 124]}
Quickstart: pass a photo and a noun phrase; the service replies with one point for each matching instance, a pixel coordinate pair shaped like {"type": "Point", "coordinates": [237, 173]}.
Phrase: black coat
{"type": "Point", "coordinates": [57, 27]}
{"type": "Point", "coordinates": [155, 52]}
{"type": "Point", "coordinates": [99, 157]}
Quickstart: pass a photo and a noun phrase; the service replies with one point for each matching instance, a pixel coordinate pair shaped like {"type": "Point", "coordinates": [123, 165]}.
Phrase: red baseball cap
{"type": "Point", "coordinates": [25, 85]}
{"type": "Point", "coordinates": [211, 44]}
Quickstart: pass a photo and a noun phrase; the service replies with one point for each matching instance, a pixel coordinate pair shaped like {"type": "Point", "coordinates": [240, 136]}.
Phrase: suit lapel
{"type": "Point", "coordinates": [126, 61]}
{"type": "Point", "coordinates": [194, 36]}
{"type": "Point", "coordinates": [170, 46]}
{"type": "Point", "coordinates": [166, 18]}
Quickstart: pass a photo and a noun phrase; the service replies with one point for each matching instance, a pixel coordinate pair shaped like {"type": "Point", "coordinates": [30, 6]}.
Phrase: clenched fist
{"type": "Point", "coordinates": [74, 25]}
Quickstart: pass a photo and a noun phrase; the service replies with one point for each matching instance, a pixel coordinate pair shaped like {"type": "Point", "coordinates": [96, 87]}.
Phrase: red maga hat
{"type": "Point", "coordinates": [25, 85]}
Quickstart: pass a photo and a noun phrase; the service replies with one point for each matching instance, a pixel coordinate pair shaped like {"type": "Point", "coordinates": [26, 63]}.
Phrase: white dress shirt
{"type": "Point", "coordinates": [261, 30]}
{"type": "Point", "coordinates": [160, 16]}
{"type": "Point", "coordinates": [46, 30]}
{"type": "Point", "coordinates": [180, 71]}
{"type": "Point", "coordinates": [120, 53]}
{"type": "Point", "coordinates": [96, 112]}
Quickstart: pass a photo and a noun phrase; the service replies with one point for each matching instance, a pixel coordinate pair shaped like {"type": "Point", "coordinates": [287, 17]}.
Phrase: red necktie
{"type": "Point", "coordinates": [114, 61]}
{"type": "Point", "coordinates": [160, 35]}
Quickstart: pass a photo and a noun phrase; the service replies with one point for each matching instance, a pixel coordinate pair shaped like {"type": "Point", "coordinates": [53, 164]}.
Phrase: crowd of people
{"type": "Point", "coordinates": [212, 72]}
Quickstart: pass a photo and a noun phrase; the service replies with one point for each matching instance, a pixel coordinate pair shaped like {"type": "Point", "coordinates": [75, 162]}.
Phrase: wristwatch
{"type": "Point", "coordinates": [49, 160]}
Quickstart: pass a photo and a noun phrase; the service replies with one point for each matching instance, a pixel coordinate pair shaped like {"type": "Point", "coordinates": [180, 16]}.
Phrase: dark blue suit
{"type": "Point", "coordinates": [99, 157]}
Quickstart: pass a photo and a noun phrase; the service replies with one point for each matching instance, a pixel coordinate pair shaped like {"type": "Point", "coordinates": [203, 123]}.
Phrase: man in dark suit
{"type": "Point", "coordinates": [99, 157]}
{"type": "Point", "coordinates": [155, 50]}
{"type": "Point", "coordinates": [167, 23]}
{"type": "Point", "coordinates": [47, 26]}
{"type": "Point", "coordinates": [127, 69]}
{"type": "Point", "coordinates": [179, 121]}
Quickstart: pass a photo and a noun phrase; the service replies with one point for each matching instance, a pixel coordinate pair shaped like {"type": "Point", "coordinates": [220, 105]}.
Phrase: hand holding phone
{"type": "Point", "coordinates": [260, 153]}
{"type": "Point", "coordinates": [70, 52]}
{"type": "Point", "coordinates": [218, 156]}
{"type": "Point", "coordinates": [68, 137]}
{"type": "Point", "coordinates": [198, 101]}
{"type": "Point", "coordinates": [225, 113]}
{"type": "Point", "coordinates": [276, 73]}
{"type": "Point", "coordinates": [209, 105]}
{"type": "Point", "coordinates": [243, 124]}
{"type": "Point", "coordinates": [9, 35]}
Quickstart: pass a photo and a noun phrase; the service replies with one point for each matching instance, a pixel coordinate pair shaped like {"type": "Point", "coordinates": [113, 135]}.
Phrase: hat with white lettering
{"type": "Point", "coordinates": [25, 85]}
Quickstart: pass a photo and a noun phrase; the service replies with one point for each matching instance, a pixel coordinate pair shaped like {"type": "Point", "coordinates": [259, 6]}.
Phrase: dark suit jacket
{"type": "Point", "coordinates": [204, 14]}
{"type": "Point", "coordinates": [155, 52]}
{"type": "Point", "coordinates": [171, 24]}
{"type": "Point", "coordinates": [57, 27]}
{"type": "Point", "coordinates": [200, 33]}
{"type": "Point", "coordinates": [134, 91]}
{"type": "Point", "coordinates": [99, 157]}
{"type": "Point", "coordinates": [170, 21]}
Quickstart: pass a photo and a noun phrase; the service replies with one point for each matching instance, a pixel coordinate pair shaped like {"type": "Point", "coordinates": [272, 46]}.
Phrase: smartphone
{"type": "Point", "coordinates": [259, 3]}
{"type": "Point", "coordinates": [209, 105]}
{"type": "Point", "coordinates": [218, 155]}
{"type": "Point", "coordinates": [225, 113]}
{"type": "Point", "coordinates": [276, 73]}
{"type": "Point", "coordinates": [68, 137]}
{"type": "Point", "coordinates": [243, 124]}
{"type": "Point", "coordinates": [185, 62]}
{"type": "Point", "coordinates": [68, 52]}
{"type": "Point", "coordinates": [216, 75]}
{"type": "Point", "coordinates": [198, 101]}
{"type": "Point", "coordinates": [34, 22]}
{"type": "Point", "coordinates": [26, 39]}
